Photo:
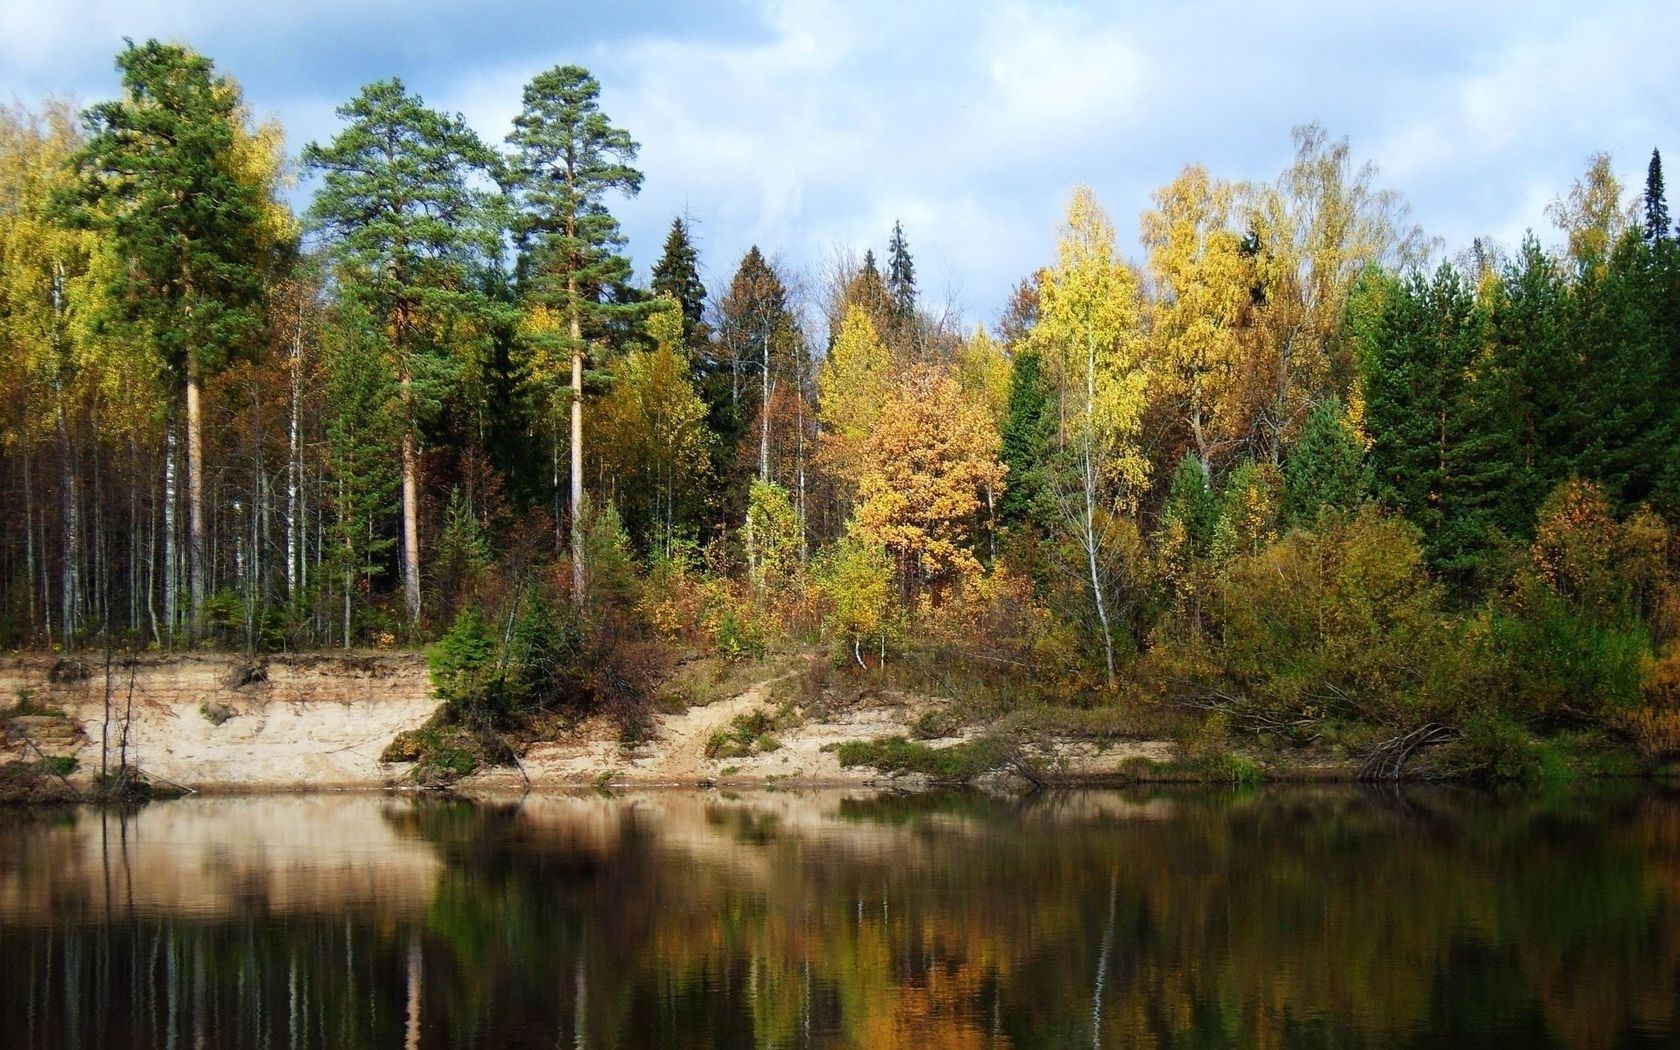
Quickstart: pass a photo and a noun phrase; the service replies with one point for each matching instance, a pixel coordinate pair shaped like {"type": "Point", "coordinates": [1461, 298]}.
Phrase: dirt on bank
{"type": "Point", "coordinates": [223, 723]}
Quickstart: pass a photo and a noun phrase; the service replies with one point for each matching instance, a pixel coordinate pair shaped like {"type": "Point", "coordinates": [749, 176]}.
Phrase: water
{"type": "Point", "coordinates": [1276, 917]}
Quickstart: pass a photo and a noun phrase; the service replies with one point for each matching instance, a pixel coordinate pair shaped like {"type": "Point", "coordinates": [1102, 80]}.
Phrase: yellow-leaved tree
{"type": "Point", "coordinates": [924, 469]}
{"type": "Point", "coordinates": [852, 387]}
{"type": "Point", "coordinates": [1202, 283]}
{"type": "Point", "coordinates": [1088, 336]}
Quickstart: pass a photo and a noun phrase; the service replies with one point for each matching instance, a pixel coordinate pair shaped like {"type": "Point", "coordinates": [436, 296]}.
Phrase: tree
{"type": "Point", "coordinates": [853, 386]}
{"type": "Point", "coordinates": [757, 333]}
{"type": "Point", "coordinates": [1087, 333]}
{"type": "Point", "coordinates": [404, 221]}
{"type": "Point", "coordinates": [651, 429]}
{"type": "Point", "coordinates": [169, 176]}
{"type": "Point", "coordinates": [49, 296]}
{"type": "Point", "coordinates": [926, 464]}
{"type": "Point", "coordinates": [1592, 217]}
{"type": "Point", "coordinates": [1657, 227]}
{"type": "Point", "coordinates": [1028, 428]}
{"type": "Point", "coordinates": [1313, 233]}
{"type": "Point", "coordinates": [677, 275]}
{"type": "Point", "coordinates": [901, 275]}
{"type": "Point", "coordinates": [567, 158]}
{"type": "Point", "coordinates": [1439, 451]}
{"type": "Point", "coordinates": [1203, 283]}
{"type": "Point", "coordinates": [1325, 468]}
{"type": "Point", "coordinates": [855, 577]}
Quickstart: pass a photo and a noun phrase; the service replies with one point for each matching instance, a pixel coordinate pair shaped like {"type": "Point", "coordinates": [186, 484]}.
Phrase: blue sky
{"type": "Point", "coordinates": [808, 126]}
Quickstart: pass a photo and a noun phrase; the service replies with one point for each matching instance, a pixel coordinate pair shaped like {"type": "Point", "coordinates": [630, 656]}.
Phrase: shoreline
{"type": "Point", "coordinates": [227, 725]}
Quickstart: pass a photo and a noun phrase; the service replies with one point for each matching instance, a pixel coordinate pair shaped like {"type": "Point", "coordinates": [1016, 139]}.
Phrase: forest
{"type": "Point", "coordinates": [1295, 466]}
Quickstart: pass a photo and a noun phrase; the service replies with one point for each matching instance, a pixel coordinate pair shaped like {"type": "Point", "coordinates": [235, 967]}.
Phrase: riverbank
{"type": "Point", "coordinates": [220, 723]}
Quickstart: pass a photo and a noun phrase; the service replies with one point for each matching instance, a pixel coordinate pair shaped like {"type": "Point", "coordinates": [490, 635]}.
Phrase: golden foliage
{"type": "Point", "coordinates": [924, 468]}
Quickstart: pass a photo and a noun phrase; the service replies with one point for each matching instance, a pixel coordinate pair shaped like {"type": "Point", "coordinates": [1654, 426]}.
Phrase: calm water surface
{"type": "Point", "coordinates": [1277, 917]}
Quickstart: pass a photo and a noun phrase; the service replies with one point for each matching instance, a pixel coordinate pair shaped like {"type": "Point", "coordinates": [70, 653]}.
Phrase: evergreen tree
{"type": "Point", "coordinates": [1326, 467]}
{"type": "Point", "coordinates": [759, 346]}
{"type": "Point", "coordinates": [406, 226]}
{"type": "Point", "coordinates": [677, 274]}
{"type": "Point", "coordinates": [901, 275]}
{"type": "Point", "coordinates": [163, 174]}
{"type": "Point", "coordinates": [1436, 456]}
{"type": "Point", "coordinates": [1029, 425]}
{"type": "Point", "coordinates": [1656, 204]}
{"type": "Point", "coordinates": [1192, 504]}
{"type": "Point", "coordinates": [567, 158]}
{"type": "Point", "coordinates": [1625, 400]}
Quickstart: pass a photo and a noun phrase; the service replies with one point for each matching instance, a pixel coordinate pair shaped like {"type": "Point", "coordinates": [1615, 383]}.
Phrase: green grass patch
{"type": "Point", "coordinates": [901, 755]}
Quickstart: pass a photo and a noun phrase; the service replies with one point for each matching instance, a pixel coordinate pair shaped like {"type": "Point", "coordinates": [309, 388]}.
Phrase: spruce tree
{"type": "Point", "coordinates": [406, 225]}
{"type": "Point", "coordinates": [1435, 454]}
{"type": "Point", "coordinates": [1325, 467]}
{"type": "Point", "coordinates": [161, 174]}
{"type": "Point", "coordinates": [1656, 203]}
{"type": "Point", "coordinates": [901, 275]}
{"type": "Point", "coordinates": [677, 274]}
{"type": "Point", "coordinates": [567, 158]}
{"type": "Point", "coordinates": [1027, 429]}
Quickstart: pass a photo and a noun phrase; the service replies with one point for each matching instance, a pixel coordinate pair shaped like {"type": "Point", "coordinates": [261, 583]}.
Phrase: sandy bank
{"type": "Point", "coordinates": [221, 723]}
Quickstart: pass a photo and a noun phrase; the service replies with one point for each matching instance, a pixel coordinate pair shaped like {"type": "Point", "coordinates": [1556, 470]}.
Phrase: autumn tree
{"type": "Point", "coordinates": [651, 430]}
{"type": "Point", "coordinates": [402, 214]}
{"type": "Point", "coordinates": [1592, 216]}
{"type": "Point", "coordinates": [168, 175]}
{"type": "Point", "coordinates": [927, 463]}
{"type": "Point", "coordinates": [1087, 333]}
{"type": "Point", "coordinates": [1202, 283]}
{"type": "Point", "coordinates": [853, 386]}
{"type": "Point", "coordinates": [567, 158]}
{"type": "Point", "coordinates": [1312, 234]}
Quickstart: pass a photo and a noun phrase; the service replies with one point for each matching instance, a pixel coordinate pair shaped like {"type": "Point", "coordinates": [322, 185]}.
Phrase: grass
{"type": "Point", "coordinates": [748, 734]}
{"type": "Point", "coordinates": [957, 762]}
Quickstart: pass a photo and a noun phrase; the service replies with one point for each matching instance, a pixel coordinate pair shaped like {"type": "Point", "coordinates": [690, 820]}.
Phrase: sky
{"type": "Point", "coordinates": [808, 127]}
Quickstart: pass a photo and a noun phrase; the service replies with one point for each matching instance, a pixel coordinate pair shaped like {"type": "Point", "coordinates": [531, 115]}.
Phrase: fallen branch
{"type": "Point", "coordinates": [1387, 760]}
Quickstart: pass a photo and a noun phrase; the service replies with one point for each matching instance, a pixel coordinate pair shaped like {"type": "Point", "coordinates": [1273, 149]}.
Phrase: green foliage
{"type": "Point", "coordinates": [956, 763]}
{"type": "Point", "coordinates": [1326, 467]}
{"type": "Point", "coordinates": [403, 217]}
{"type": "Point", "coordinates": [1248, 510]}
{"type": "Point", "coordinates": [1027, 430]}
{"type": "Point", "coordinates": [461, 663]}
{"type": "Point", "coordinates": [771, 534]}
{"type": "Point", "coordinates": [1342, 621]}
{"type": "Point", "coordinates": [567, 157]}
{"type": "Point", "coordinates": [854, 578]}
{"type": "Point", "coordinates": [163, 177]}
{"type": "Point", "coordinates": [677, 274]}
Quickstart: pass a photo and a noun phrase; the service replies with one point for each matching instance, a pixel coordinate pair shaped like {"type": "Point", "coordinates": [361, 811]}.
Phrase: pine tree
{"type": "Point", "coordinates": [407, 227]}
{"type": "Point", "coordinates": [677, 274]}
{"type": "Point", "coordinates": [567, 158]}
{"type": "Point", "coordinates": [1656, 204]}
{"type": "Point", "coordinates": [164, 176]}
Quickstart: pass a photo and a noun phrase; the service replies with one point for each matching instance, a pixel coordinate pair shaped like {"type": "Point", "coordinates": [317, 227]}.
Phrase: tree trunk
{"type": "Point", "coordinates": [410, 507]}
{"type": "Point", "coordinates": [171, 549]}
{"type": "Point", "coordinates": [764, 417]}
{"type": "Point", "coordinates": [197, 569]}
{"type": "Point", "coordinates": [70, 583]}
{"type": "Point", "coordinates": [579, 581]}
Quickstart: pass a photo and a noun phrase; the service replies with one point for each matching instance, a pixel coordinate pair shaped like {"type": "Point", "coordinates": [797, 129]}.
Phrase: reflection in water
{"type": "Point", "coordinates": [1278, 917]}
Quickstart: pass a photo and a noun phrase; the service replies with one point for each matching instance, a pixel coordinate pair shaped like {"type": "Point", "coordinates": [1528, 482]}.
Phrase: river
{"type": "Point", "coordinates": [1278, 916]}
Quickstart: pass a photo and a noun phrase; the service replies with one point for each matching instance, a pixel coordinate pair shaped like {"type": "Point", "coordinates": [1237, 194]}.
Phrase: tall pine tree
{"type": "Point", "coordinates": [405, 222]}
{"type": "Point", "coordinates": [567, 158]}
{"type": "Point", "coordinates": [163, 175]}
{"type": "Point", "coordinates": [1656, 203]}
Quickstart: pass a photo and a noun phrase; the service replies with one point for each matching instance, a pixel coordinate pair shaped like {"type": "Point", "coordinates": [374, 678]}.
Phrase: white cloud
{"type": "Point", "coordinates": [803, 124]}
